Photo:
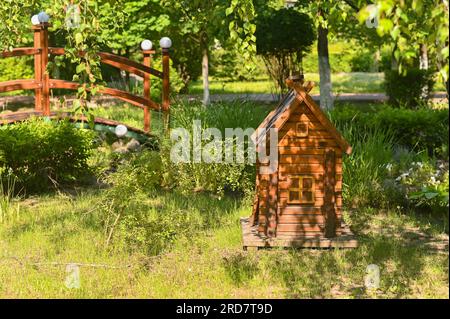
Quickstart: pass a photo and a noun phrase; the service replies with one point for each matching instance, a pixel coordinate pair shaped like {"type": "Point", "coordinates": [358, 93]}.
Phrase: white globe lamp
{"type": "Point", "coordinates": [43, 17]}
{"type": "Point", "coordinates": [165, 43]}
{"type": "Point", "coordinates": [35, 20]}
{"type": "Point", "coordinates": [121, 130]}
{"type": "Point", "coordinates": [146, 45]}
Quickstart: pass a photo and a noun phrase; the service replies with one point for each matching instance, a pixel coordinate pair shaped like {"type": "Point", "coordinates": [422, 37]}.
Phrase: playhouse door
{"type": "Point", "coordinates": [328, 209]}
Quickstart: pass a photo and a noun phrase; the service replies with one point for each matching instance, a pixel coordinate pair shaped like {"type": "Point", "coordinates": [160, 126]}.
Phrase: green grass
{"type": "Point", "coordinates": [57, 229]}
{"type": "Point", "coordinates": [342, 83]}
{"type": "Point", "coordinates": [61, 228]}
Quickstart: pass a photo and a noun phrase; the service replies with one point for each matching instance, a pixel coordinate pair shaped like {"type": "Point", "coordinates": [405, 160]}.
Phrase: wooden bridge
{"type": "Point", "coordinates": [42, 84]}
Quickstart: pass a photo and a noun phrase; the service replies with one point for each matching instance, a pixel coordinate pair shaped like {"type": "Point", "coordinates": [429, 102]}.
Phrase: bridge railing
{"type": "Point", "coordinates": [42, 83]}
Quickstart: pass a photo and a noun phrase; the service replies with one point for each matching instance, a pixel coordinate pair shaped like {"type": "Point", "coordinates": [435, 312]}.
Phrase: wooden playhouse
{"type": "Point", "coordinates": [300, 203]}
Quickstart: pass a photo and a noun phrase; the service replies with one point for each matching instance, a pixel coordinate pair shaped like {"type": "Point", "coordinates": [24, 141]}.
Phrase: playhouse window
{"type": "Point", "coordinates": [301, 190]}
{"type": "Point", "coordinates": [302, 129]}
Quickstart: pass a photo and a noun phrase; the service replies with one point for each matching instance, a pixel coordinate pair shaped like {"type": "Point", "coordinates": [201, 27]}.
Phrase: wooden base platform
{"type": "Point", "coordinates": [251, 238]}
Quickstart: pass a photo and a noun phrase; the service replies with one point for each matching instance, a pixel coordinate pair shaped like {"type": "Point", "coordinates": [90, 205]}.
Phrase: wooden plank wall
{"type": "Point", "coordinates": [305, 155]}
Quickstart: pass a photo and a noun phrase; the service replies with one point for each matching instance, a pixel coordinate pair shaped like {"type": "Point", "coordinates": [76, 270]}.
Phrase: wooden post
{"type": "Point", "coordinates": [165, 86]}
{"type": "Point", "coordinates": [44, 73]}
{"type": "Point", "coordinates": [147, 85]}
{"type": "Point", "coordinates": [37, 69]}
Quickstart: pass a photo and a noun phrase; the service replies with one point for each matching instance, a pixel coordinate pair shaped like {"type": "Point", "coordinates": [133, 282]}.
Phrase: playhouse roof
{"type": "Point", "coordinates": [278, 117]}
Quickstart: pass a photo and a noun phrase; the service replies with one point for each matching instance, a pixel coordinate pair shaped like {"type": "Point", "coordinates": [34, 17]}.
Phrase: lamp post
{"type": "Point", "coordinates": [147, 51]}
{"type": "Point", "coordinates": [165, 44]}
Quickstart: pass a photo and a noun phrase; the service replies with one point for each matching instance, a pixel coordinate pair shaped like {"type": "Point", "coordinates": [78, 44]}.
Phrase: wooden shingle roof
{"type": "Point", "coordinates": [278, 117]}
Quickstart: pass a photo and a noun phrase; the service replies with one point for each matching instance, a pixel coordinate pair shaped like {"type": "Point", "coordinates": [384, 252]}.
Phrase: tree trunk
{"type": "Point", "coordinates": [394, 62]}
{"type": "Point", "coordinates": [326, 94]}
{"type": "Point", "coordinates": [423, 65]}
{"type": "Point", "coordinates": [205, 75]}
{"type": "Point", "coordinates": [377, 60]}
{"type": "Point", "coordinates": [423, 60]}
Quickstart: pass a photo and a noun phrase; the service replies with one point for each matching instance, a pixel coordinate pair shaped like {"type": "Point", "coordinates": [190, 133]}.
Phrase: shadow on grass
{"type": "Point", "coordinates": [240, 267]}
{"type": "Point", "coordinates": [166, 216]}
{"type": "Point", "coordinates": [340, 274]}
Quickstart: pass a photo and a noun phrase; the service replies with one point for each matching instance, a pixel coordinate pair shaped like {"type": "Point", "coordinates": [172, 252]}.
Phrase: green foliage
{"type": "Point", "coordinates": [362, 62]}
{"type": "Point", "coordinates": [283, 38]}
{"type": "Point", "coordinates": [136, 219]}
{"type": "Point", "coordinates": [422, 129]}
{"type": "Point", "coordinates": [41, 153]}
{"type": "Point", "coordinates": [197, 26]}
{"type": "Point", "coordinates": [425, 185]}
{"type": "Point", "coordinates": [212, 177]}
{"type": "Point", "coordinates": [411, 23]}
{"type": "Point", "coordinates": [390, 165]}
{"type": "Point", "coordinates": [284, 31]}
{"type": "Point", "coordinates": [409, 89]}
{"type": "Point", "coordinates": [131, 185]}
{"type": "Point", "coordinates": [15, 69]}
{"type": "Point", "coordinates": [364, 170]}
{"type": "Point", "coordinates": [9, 210]}
{"type": "Point", "coordinates": [230, 66]}
{"type": "Point", "coordinates": [241, 27]}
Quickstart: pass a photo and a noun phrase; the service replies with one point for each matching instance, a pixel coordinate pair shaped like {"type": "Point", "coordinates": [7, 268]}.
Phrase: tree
{"type": "Point", "coordinates": [283, 37]}
{"type": "Point", "coordinates": [200, 23]}
{"type": "Point", "coordinates": [417, 28]}
{"type": "Point", "coordinates": [328, 14]}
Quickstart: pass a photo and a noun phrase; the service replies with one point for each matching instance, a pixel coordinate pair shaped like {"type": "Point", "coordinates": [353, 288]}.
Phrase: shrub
{"type": "Point", "coordinates": [425, 185]}
{"type": "Point", "coordinates": [212, 177]}
{"type": "Point", "coordinates": [136, 218]}
{"type": "Point", "coordinates": [422, 129]}
{"type": "Point", "coordinates": [283, 37]}
{"type": "Point", "coordinates": [16, 68]}
{"type": "Point", "coordinates": [130, 187]}
{"type": "Point", "coordinates": [364, 169]}
{"type": "Point", "coordinates": [41, 153]}
{"type": "Point", "coordinates": [362, 62]}
{"type": "Point", "coordinates": [409, 89]}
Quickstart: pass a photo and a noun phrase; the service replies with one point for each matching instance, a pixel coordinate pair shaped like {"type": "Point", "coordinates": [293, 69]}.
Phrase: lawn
{"type": "Point", "coordinates": [55, 230]}
{"type": "Point", "coordinates": [342, 83]}
{"type": "Point", "coordinates": [198, 253]}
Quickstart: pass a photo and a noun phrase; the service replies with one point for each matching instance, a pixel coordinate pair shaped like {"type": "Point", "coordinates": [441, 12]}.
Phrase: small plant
{"type": "Point", "coordinates": [364, 169]}
{"type": "Point", "coordinates": [426, 186]}
{"type": "Point", "coordinates": [131, 185]}
{"type": "Point", "coordinates": [9, 212]}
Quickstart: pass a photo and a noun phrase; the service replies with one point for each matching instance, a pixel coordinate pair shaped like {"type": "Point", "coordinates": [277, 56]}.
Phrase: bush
{"type": "Point", "coordinates": [422, 129]}
{"type": "Point", "coordinates": [410, 89]}
{"type": "Point", "coordinates": [15, 69]}
{"type": "Point", "coordinates": [41, 153]}
{"type": "Point", "coordinates": [425, 185]}
{"type": "Point", "coordinates": [362, 62]}
{"type": "Point", "coordinates": [364, 170]}
{"type": "Point", "coordinates": [135, 216]}
{"type": "Point", "coordinates": [212, 177]}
